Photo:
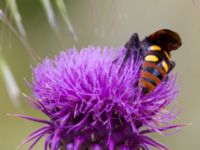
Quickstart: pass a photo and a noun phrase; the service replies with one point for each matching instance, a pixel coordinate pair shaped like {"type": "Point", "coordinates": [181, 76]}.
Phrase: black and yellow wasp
{"type": "Point", "coordinates": [155, 50]}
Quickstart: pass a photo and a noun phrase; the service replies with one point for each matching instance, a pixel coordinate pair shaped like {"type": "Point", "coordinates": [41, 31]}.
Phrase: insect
{"type": "Point", "coordinates": [155, 50]}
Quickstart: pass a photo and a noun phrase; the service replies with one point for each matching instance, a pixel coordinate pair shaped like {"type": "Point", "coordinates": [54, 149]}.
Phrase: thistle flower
{"type": "Point", "coordinates": [91, 105]}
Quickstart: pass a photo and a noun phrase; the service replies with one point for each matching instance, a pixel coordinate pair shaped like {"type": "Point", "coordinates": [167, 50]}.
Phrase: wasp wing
{"type": "Point", "coordinates": [132, 50]}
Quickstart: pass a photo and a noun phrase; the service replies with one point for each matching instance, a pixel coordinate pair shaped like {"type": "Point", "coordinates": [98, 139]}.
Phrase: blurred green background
{"type": "Point", "coordinates": [102, 23]}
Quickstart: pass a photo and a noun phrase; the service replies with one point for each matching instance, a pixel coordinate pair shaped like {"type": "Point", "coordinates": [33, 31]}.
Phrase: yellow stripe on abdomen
{"type": "Point", "coordinates": [165, 66]}
{"type": "Point", "coordinates": [151, 58]}
{"type": "Point", "coordinates": [154, 48]}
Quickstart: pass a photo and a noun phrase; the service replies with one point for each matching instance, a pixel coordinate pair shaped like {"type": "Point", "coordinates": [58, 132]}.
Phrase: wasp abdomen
{"type": "Point", "coordinates": [150, 76]}
{"type": "Point", "coordinates": [153, 71]}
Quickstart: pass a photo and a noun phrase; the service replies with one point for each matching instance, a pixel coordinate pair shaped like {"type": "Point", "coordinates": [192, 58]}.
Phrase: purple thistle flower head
{"type": "Point", "coordinates": [91, 105]}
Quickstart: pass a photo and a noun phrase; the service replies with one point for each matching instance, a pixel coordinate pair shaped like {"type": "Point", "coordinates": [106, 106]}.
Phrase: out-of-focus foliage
{"type": "Point", "coordinates": [50, 14]}
{"type": "Point", "coordinates": [10, 82]}
{"type": "Point", "coordinates": [63, 11]}
{"type": "Point", "coordinates": [12, 4]}
{"type": "Point", "coordinates": [8, 77]}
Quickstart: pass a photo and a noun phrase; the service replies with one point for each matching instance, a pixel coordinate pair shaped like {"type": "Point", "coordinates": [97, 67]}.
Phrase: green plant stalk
{"type": "Point", "coordinates": [63, 11]}
{"type": "Point", "coordinates": [10, 82]}
{"type": "Point", "coordinates": [17, 17]}
{"type": "Point", "coordinates": [23, 40]}
{"type": "Point", "coordinates": [50, 13]}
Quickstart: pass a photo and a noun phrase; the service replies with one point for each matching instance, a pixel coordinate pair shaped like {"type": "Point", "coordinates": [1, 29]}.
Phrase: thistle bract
{"type": "Point", "coordinates": [93, 105]}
